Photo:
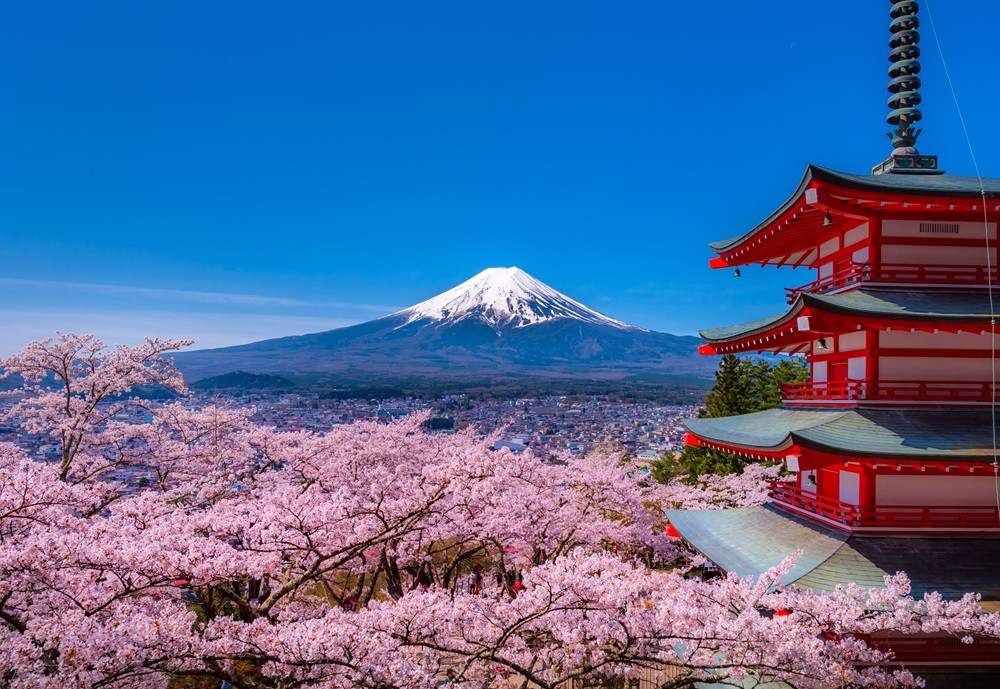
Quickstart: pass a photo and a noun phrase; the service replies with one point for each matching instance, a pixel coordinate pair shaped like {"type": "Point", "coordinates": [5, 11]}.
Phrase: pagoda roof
{"type": "Point", "coordinates": [838, 189]}
{"type": "Point", "coordinates": [903, 183]}
{"type": "Point", "coordinates": [942, 434]}
{"type": "Point", "coordinates": [761, 325]}
{"type": "Point", "coordinates": [750, 540]}
{"type": "Point", "coordinates": [882, 304]}
{"type": "Point", "coordinates": [906, 304]}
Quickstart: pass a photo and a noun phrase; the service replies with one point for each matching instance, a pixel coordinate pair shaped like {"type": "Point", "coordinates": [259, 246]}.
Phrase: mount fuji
{"type": "Point", "coordinates": [504, 298]}
{"type": "Point", "coordinates": [500, 324]}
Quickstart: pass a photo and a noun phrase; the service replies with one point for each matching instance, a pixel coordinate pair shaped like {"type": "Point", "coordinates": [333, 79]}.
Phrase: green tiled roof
{"type": "Point", "coordinates": [750, 540]}
{"type": "Point", "coordinates": [901, 183]}
{"type": "Point", "coordinates": [933, 306]}
{"type": "Point", "coordinates": [731, 332]}
{"type": "Point", "coordinates": [956, 307]}
{"type": "Point", "coordinates": [764, 429]}
{"type": "Point", "coordinates": [935, 185]}
{"type": "Point", "coordinates": [956, 434]}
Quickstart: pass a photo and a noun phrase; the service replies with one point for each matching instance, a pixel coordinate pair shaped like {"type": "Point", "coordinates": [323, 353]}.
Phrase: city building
{"type": "Point", "coordinates": [892, 441]}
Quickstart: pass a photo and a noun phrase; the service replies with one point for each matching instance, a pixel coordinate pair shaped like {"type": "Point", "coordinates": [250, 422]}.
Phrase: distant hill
{"type": "Point", "coordinates": [243, 381]}
{"type": "Point", "coordinates": [501, 325]}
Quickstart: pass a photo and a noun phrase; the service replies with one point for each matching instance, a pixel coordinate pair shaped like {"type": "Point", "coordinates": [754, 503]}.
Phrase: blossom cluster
{"type": "Point", "coordinates": [370, 555]}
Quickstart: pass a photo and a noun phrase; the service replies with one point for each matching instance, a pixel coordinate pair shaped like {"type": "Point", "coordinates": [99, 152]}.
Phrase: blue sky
{"type": "Point", "coordinates": [230, 171]}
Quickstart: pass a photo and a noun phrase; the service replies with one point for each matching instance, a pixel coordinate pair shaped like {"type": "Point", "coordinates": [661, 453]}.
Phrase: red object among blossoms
{"type": "Point", "coordinates": [672, 532]}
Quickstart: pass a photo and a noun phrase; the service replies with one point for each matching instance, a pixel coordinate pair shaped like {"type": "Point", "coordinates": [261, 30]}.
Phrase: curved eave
{"type": "Point", "coordinates": [790, 235]}
{"type": "Point", "coordinates": [795, 443]}
{"type": "Point", "coordinates": [904, 306]}
{"type": "Point", "coordinates": [750, 540]}
{"type": "Point", "coordinates": [725, 247]}
{"type": "Point", "coordinates": [777, 453]}
{"type": "Point", "coordinates": [768, 326]}
{"type": "Point", "coordinates": [767, 432]}
{"type": "Point", "coordinates": [939, 186]}
{"type": "Point", "coordinates": [874, 309]}
{"type": "Point", "coordinates": [927, 435]}
{"type": "Point", "coordinates": [981, 455]}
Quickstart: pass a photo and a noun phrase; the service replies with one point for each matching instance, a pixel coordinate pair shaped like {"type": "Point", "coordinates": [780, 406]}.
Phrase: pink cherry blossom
{"type": "Point", "coordinates": [377, 555]}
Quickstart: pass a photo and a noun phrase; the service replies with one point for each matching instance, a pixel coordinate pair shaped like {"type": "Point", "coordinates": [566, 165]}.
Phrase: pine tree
{"type": "Point", "coordinates": [741, 386]}
{"type": "Point", "coordinates": [770, 379]}
{"type": "Point", "coordinates": [734, 390]}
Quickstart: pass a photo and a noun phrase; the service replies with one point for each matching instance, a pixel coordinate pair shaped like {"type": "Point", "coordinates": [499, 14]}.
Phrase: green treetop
{"type": "Point", "coordinates": [742, 386]}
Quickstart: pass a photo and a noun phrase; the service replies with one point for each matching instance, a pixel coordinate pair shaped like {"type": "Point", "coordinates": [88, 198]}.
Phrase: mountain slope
{"type": "Point", "coordinates": [241, 381]}
{"type": "Point", "coordinates": [502, 323]}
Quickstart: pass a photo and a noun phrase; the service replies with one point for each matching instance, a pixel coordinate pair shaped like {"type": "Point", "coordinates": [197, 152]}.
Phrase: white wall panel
{"type": "Point", "coordinates": [856, 235]}
{"type": "Point", "coordinates": [934, 490]}
{"type": "Point", "coordinates": [897, 339]}
{"type": "Point", "coordinates": [933, 368]}
{"type": "Point", "coordinates": [829, 246]}
{"type": "Point", "coordinates": [931, 255]}
{"type": "Point", "coordinates": [850, 487]}
{"type": "Point", "coordinates": [819, 372]}
{"type": "Point", "coordinates": [851, 342]}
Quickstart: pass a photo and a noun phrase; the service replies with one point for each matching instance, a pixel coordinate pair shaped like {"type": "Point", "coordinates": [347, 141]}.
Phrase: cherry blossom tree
{"type": "Point", "coordinates": [714, 492]}
{"type": "Point", "coordinates": [371, 555]}
{"type": "Point", "coordinates": [77, 386]}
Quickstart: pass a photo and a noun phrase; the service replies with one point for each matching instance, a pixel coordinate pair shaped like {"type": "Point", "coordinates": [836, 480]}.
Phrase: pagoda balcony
{"type": "Point", "coordinates": [885, 518]}
{"type": "Point", "coordinates": [849, 393]}
{"type": "Point", "coordinates": [936, 651]}
{"type": "Point", "coordinates": [855, 274]}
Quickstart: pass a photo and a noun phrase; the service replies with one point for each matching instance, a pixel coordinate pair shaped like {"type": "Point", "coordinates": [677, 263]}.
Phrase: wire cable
{"type": "Point", "coordinates": [989, 267]}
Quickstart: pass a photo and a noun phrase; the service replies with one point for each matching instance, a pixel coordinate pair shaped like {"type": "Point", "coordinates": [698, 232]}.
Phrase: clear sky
{"type": "Point", "coordinates": [230, 171]}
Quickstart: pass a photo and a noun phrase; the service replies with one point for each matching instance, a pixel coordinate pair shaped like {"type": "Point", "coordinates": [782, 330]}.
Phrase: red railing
{"type": "Point", "coordinates": [891, 517]}
{"type": "Point", "coordinates": [948, 392]}
{"type": "Point", "coordinates": [931, 651]}
{"type": "Point", "coordinates": [856, 273]}
{"type": "Point", "coordinates": [903, 516]}
{"type": "Point", "coordinates": [791, 495]}
{"type": "Point", "coordinates": [853, 274]}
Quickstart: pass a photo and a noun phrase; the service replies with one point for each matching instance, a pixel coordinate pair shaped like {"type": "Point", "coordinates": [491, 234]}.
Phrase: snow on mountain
{"type": "Point", "coordinates": [504, 297]}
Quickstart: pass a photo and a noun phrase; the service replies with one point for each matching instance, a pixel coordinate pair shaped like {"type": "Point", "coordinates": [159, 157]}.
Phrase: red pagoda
{"type": "Point", "coordinates": [892, 441]}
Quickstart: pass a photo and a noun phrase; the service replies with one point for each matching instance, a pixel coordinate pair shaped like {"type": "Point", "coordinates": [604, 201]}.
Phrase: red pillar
{"type": "Point", "coordinates": [866, 488]}
{"type": "Point", "coordinates": [875, 235]}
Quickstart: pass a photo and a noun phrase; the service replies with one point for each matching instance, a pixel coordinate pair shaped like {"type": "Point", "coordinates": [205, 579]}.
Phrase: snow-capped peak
{"type": "Point", "coordinates": [505, 297]}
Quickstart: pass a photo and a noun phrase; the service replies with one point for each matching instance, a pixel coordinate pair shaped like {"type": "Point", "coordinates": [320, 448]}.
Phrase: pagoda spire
{"type": "Point", "coordinates": [903, 69]}
{"type": "Point", "coordinates": [904, 85]}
